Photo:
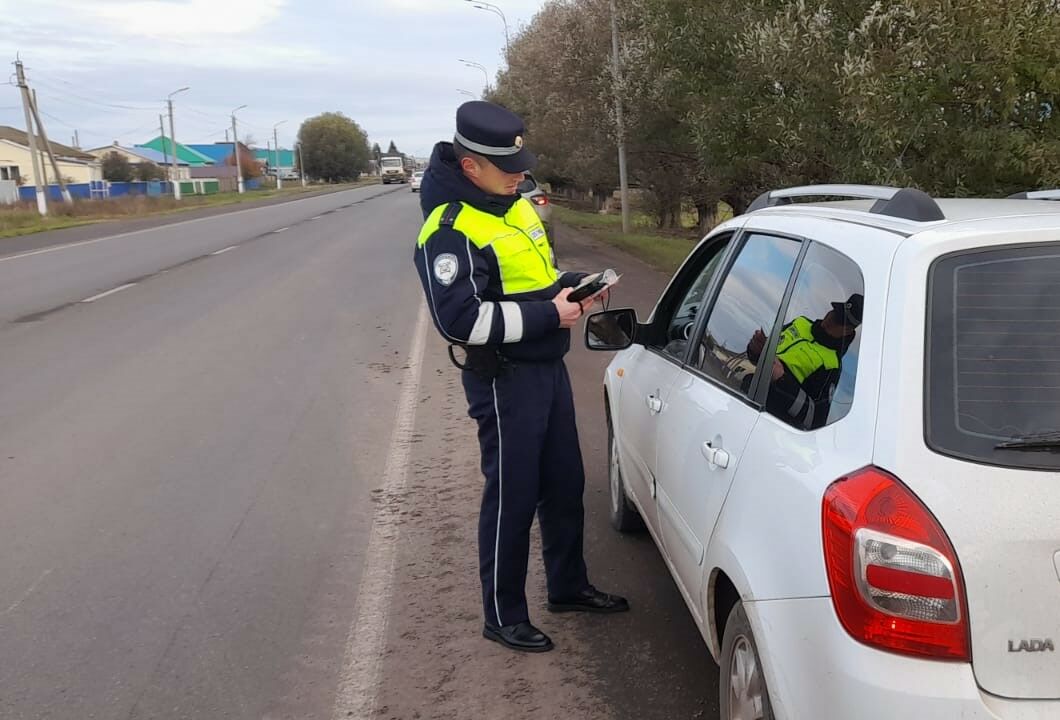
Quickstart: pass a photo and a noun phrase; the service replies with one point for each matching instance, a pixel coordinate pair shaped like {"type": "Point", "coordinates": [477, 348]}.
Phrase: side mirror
{"type": "Point", "coordinates": [611, 329]}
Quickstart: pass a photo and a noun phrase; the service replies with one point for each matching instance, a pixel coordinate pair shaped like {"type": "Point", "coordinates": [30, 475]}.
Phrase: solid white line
{"type": "Point", "coordinates": [109, 292]}
{"type": "Point", "coordinates": [56, 248]}
{"type": "Point", "coordinates": [316, 217]}
{"type": "Point", "coordinates": [356, 696]}
{"type": "Point", "coordinates": [282, 229]}
{"type": "Point", "coordinates": [224, 250]}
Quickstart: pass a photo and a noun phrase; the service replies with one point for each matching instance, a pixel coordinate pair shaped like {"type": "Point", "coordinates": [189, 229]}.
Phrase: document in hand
{"type": "Point", "coordinates": [594, 285]}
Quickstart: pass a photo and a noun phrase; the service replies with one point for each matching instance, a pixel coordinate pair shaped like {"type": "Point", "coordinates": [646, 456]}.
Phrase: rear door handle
{"type": "Point", "coordinates": [715, 456]}
{"type": "Point", "coordinates": [654, 404]}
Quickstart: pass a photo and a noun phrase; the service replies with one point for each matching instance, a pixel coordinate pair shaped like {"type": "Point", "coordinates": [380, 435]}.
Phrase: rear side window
{"type": "Point", "coordinates": [993, 355]}
{"type": "Point", "coordinates": [816, 363]}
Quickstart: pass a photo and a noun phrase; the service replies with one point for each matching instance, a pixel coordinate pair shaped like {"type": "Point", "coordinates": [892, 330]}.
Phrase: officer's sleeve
{"type": "Point", "coordinates": [571, 279]}
{"type": "Point", "coordinates": [454, 273]}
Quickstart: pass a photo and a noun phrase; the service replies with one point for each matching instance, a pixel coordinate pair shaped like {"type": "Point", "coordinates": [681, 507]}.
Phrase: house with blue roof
{"type": "Point", "coordinates": [140, 154]}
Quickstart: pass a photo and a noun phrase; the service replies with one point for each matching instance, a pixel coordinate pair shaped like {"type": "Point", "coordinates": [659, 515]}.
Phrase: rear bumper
{"type": "Point", "coordinates": [814, 669]}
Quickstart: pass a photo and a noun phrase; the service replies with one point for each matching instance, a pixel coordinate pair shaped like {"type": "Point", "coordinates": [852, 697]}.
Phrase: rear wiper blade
{"type": "Point", "coordinates": [1037, 441]}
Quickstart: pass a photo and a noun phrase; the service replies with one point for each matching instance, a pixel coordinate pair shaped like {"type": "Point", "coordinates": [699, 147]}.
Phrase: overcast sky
{"type": "Point", "coordinates": [105, 67]}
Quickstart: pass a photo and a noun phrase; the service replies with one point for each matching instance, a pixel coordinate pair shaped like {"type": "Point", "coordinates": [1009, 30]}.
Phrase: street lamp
{"type": "Point", "coordinates": [173, 139]}
{"type": "Point", "coordinates": [490, 7]}
{"type": "Point", "coordinates": [479, 66]}
{"type": "Point", "coordinates": [467, 92]}
{"type": "Point", "coordinates": [276, 149]}
{"type": "Point", "coordinates": [235, 151]}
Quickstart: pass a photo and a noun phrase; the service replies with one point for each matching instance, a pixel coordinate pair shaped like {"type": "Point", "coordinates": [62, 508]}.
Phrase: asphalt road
{"type": "Point", "coordinates": [238, 481]}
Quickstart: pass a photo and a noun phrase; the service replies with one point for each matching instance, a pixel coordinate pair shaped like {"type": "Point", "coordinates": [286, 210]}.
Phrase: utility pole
{"type": "Point", "coordinates": [301, 163]}
{"type": "Point", "coordinates": [235, 149]}
{"type": "Point", "coordinates": [162, 129]}
{"type": "Point", "coordinates": [623, 181]}
{"type": "Point", "coordinates": [41, 192]}
{"type": "Point", "coordinates": [276, 149]}
{"type": "Point", "coordinates": [48, 148]}
{"type": "Point", "coordinates": [173, 137]}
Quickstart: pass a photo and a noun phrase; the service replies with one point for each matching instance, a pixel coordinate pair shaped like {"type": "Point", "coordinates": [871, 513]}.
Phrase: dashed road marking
{"type": "Point", "coordinates": [108, 292]}
{"type": "Point", "coordinates": [283, 229]}
{"type": "Point", "coordinates": [224, 250]}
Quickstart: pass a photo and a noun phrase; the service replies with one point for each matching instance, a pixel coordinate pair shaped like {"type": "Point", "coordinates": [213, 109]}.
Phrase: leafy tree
{"type": "Point", "coordinates": [392, 150]}
{"type": "Point", "coordinates": [334, 147]}
{"type": "Point", "coordinates": [248, 164]}
{"type": "Point", "coordinates": [116, 167]}
{"type": "Point", "coordinates": [147, 171]}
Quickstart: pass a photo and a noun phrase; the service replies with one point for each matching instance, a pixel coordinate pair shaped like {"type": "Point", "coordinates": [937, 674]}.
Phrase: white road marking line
{"type": "Point", "coordinates": [224, 250]}
{"type": "Point", "coordinates": [56, 248]}
{"type": "Point", "coordinates": [316, 217]}
{"type": "Point", "coordinates": [29, 591]}
{"type": "Point", "coordinates": [356, 697]}
{"type": "Point", "coordinates": [282, 229]}
{"type": "Point", "coordinates": [109, 292]}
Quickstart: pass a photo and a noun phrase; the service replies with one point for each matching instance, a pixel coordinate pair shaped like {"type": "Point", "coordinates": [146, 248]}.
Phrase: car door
{"type": "Point", "coordinates": [650, 369]}
{"type": "Point", "coordinates": [710, 410]}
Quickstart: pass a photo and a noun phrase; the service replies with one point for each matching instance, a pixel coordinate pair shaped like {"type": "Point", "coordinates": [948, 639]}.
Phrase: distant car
{"type": "Point", "coordinates": [532, 191]}
{"type": "Point", "coordinates": [417, 178]}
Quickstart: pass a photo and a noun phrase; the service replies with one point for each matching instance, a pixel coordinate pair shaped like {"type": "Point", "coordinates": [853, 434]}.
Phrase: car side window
{"type": "Point", "coordinates": [677, 314]}
{"type": "Point", "coordinates": [816, 359]}
{"type": "Point", "coordinates": [746, 310]}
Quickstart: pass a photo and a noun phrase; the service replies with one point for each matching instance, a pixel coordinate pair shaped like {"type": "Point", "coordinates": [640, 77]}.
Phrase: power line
{"type": "Point", "coordinates": [54, 88]}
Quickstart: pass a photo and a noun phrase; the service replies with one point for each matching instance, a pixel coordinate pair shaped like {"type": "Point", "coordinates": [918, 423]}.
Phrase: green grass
{"type": "Point", "coordinates": [23, 218]}
{"type": "Point", "coordinates": [663, 251]}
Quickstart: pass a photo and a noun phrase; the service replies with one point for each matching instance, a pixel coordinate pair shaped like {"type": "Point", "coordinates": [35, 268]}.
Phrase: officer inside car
{"type": "Point", "coordinates": [493, 292]}
{"type": "Point", "coordinates": [809, 362]}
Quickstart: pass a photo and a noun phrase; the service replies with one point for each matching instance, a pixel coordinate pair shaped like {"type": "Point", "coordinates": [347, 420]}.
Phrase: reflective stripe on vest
{"type": "Point", "coordinates": [801, 354]}
{"type": "Point", "coordinates": [518, 241]}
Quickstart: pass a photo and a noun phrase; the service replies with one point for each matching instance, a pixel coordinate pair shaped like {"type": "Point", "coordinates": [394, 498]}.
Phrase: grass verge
{"type": "Point", "coordinates": [23, 218]}
{"type": "Point", "coordinates": [663, 251]}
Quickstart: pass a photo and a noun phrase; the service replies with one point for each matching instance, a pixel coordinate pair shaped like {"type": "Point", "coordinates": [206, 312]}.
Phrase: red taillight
{"type": "Point", "coordinates": [895, 580]}
{"type": "Point", "coordinates": [539, 199]}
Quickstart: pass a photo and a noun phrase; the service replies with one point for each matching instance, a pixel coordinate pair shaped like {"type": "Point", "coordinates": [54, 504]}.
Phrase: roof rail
{"type": "Point", "coordinates": [905, 203]}
{"type": "Point", "coordinates": [1037, 195]}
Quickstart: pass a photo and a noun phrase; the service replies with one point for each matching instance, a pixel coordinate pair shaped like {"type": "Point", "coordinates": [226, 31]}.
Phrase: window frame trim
{"type": "Point", "coordinates": [735, 235]}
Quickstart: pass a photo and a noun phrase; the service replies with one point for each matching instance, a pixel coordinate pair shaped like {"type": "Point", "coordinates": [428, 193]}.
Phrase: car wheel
{"type": "Point", "coordinates": [624, 516]}
{"type": "Point", "coordinates": [742, 686]}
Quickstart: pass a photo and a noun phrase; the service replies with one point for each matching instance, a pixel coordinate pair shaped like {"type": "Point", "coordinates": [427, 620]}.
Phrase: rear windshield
{"type": "Point", "coordinates": [528, 184]}
{"type": "Point", "coordinates": [993, 363]}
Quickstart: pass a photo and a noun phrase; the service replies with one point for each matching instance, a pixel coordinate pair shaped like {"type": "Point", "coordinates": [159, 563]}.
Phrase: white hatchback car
{"type": "Point", "coordinates": [869, 528]}
{"type": "Point", "coordinates": [416, 181]}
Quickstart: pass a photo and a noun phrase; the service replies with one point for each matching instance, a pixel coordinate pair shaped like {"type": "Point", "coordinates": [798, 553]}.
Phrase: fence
{"type": "Point", "coordinates": [101, 189]}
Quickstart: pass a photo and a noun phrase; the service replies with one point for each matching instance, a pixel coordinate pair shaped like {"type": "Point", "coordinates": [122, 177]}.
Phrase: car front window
{"type": "Point", "coordinates": [745, 311]}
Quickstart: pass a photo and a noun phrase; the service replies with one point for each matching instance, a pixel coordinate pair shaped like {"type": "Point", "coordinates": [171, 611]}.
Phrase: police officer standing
{"type": "Point", "coordinates": [492, 289]}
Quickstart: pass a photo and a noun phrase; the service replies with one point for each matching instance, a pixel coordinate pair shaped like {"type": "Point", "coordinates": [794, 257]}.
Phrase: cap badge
{"type": "Point", "coordinates": [518, 141]}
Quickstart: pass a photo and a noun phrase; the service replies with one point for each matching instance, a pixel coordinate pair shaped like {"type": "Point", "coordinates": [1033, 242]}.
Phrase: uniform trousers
{"type": "Point", "coordinates": [532, 463]}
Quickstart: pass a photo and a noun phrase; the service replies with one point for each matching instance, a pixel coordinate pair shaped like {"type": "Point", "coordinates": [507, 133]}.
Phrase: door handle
{"type": "Point", "coordinates": [715, 456]}
{"type": "Point", "coordinates": [654, 404]}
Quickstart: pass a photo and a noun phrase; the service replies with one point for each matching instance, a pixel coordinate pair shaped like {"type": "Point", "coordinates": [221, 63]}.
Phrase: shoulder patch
{"type": "Point", "coordinates": [537, 232]}
{"type": "Point", "coordinates": [446, 267]}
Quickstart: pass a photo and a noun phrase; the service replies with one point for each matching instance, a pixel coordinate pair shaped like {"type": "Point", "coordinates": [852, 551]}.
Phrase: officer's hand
{"type": "Point", "coordinates": [569, 312]}
{"type": "Point", "coordinates": [758, 342]}
{"type": "Point", "coordinates": [778, 370]}
{"type": "Point", "coordinates": [601, 298]}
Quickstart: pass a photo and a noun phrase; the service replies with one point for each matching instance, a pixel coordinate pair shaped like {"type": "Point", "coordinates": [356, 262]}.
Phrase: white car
{"type": "Point", "coordinates": [868, 529]}
{"type": "Point", "coordinates": [417, 178]}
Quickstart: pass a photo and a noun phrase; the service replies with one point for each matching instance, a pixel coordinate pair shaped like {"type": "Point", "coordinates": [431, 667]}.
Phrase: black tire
{"type": "Point", "coordinates": [623, 514]}
{"type": "Point", "coordinates": [742, 683]}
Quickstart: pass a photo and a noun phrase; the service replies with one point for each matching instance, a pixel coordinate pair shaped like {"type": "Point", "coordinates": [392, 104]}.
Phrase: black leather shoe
{"type": "Point", "coordinates": [590, 600]}
{"type": "Point", "coordinates": [523, 637]}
